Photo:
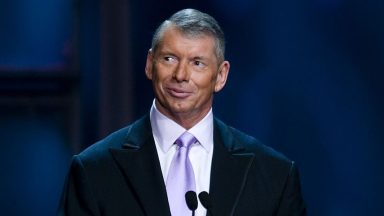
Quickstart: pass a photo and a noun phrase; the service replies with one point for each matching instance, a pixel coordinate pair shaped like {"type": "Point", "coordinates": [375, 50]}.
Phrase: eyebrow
{"type": "Point", "coordinates": [199, 57]}
{"type": "Point", "coordinates": [164, 52]}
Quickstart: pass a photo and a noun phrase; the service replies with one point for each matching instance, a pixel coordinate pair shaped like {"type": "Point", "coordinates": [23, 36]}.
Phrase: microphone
{"type": "Point", "coordinates": [206, 201]}
{"type": "Point", "coordinates": [191, 200]}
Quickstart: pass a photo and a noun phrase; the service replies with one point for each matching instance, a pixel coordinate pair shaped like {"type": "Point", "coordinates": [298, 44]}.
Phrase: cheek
{"type": "Point", "coordinates": [156, 75]}
{"type": "Point", "coordinates": [205, 82]}
{"type": "Point", "coordinates": [159, 81]}
{"type": "Point", "coordinates": [162, 73]}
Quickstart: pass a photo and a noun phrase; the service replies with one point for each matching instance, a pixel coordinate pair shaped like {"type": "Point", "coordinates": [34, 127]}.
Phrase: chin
{"type": "Point", "coordinates": [180, 108]}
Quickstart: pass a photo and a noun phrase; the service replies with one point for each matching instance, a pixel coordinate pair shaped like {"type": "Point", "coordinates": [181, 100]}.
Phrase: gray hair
{"type": "Point", "coordinates": [193, 23]}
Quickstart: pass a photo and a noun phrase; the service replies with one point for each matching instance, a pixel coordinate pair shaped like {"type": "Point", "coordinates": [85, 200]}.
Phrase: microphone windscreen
{"type": "Point", "coordinates": [205, 200]}
{"type": "Point", "coordinates": [191, 200]}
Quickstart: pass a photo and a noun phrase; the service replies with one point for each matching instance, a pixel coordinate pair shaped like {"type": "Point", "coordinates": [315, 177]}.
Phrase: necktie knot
{"type": "Point", "coordinates": [185, 140]}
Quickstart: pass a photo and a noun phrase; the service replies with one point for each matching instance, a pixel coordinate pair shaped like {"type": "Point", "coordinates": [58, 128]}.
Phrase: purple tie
{"type": "Point", "coordinates": [180, 176]}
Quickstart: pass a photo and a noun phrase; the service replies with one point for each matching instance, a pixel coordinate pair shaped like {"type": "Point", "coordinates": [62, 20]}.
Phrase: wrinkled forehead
{"type": "Point", "coordinates": [175, 39]}
{"type": "Point", "coordinates": [188, 33]}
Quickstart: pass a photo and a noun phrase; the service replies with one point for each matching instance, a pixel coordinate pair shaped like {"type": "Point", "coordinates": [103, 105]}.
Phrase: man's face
{"type": "Point", "coordinates": [185, 73]}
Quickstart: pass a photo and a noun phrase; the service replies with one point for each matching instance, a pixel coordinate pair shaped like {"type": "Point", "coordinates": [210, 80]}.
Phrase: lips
{"type": "Point", "coordinates": [178, 92]}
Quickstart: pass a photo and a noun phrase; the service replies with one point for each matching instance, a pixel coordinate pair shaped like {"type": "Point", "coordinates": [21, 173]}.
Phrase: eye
{"type": "Point", "coordinates": [198, 63]}
{"type": "Point", "coordinates": [169, 59]}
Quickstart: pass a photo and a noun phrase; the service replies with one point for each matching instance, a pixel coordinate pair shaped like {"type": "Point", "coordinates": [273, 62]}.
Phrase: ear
{"type": "Point", "coordinates": [149, 64]}
{"type": "Point", "coordinates": [222, 75]}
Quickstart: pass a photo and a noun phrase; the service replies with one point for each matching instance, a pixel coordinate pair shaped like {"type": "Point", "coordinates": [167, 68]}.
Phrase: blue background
{"type": "Point", "coordinates": [306, 78]}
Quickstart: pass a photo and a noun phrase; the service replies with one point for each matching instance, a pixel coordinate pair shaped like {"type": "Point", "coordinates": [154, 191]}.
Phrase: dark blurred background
{"type": "Point", "coordinates": [306, 78]}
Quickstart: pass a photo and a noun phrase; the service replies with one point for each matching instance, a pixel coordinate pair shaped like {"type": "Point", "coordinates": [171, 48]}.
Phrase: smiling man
{"type": "Point", "coordinates": [185, 70]}
{"type": "Point", "coordinates": [149, 167]}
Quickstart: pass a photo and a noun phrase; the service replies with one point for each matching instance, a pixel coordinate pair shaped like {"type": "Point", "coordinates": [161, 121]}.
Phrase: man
{"type": "Point", "coordinates": [147, 167]}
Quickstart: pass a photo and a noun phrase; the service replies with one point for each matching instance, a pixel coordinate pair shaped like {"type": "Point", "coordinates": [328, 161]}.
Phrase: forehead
{"type": "Point", "coordinates": [175, 39]}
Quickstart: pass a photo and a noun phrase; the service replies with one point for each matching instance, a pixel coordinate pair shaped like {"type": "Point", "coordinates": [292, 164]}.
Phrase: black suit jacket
{"type": "Point", "coordinates": [121, 175]}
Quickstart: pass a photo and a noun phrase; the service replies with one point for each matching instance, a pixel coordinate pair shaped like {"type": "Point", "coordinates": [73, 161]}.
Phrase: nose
{"type": "Point", "coordinates": [181, 73]}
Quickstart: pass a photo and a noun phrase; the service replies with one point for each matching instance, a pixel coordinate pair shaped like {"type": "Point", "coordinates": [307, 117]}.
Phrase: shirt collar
{"type": "Point", "coordinates": [166, 131]}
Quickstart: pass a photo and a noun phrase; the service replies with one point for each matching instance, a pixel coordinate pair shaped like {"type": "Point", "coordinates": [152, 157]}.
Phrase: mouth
{"type": "Point", "coordinates": [178, 93]}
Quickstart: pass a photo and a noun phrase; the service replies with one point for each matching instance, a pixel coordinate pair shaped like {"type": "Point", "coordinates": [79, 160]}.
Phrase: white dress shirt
{"type": "Point", "coordinates": [166, 131]}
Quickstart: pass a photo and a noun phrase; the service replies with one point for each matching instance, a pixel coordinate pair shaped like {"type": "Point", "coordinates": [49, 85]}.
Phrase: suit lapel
{"type": "Point", "coordinates": [230, 166]}
{"type": "Point", "coordinates": [139, 162]}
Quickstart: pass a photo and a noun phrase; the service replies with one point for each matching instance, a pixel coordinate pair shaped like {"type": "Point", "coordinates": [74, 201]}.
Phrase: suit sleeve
{"type": "Point", "coordinates": [77, 197]}
{"type": "Point", "coordinates": [292, 202]}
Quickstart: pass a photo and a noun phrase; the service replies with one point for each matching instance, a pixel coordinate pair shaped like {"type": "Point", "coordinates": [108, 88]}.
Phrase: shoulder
{"type": "Point", "coordinates": [244, 143]}
{"type": "Point", "coordinates": [256, 146]}
{"type": "Point", "coordinates": [115, 140]}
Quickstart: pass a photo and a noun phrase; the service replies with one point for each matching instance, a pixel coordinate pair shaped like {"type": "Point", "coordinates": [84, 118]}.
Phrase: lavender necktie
{"type": "Point", "coordinates": [180, 176]}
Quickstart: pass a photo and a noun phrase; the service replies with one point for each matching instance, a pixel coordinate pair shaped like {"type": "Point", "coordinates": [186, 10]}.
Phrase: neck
{"type": "Point", "coordinates": [185, 119]}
